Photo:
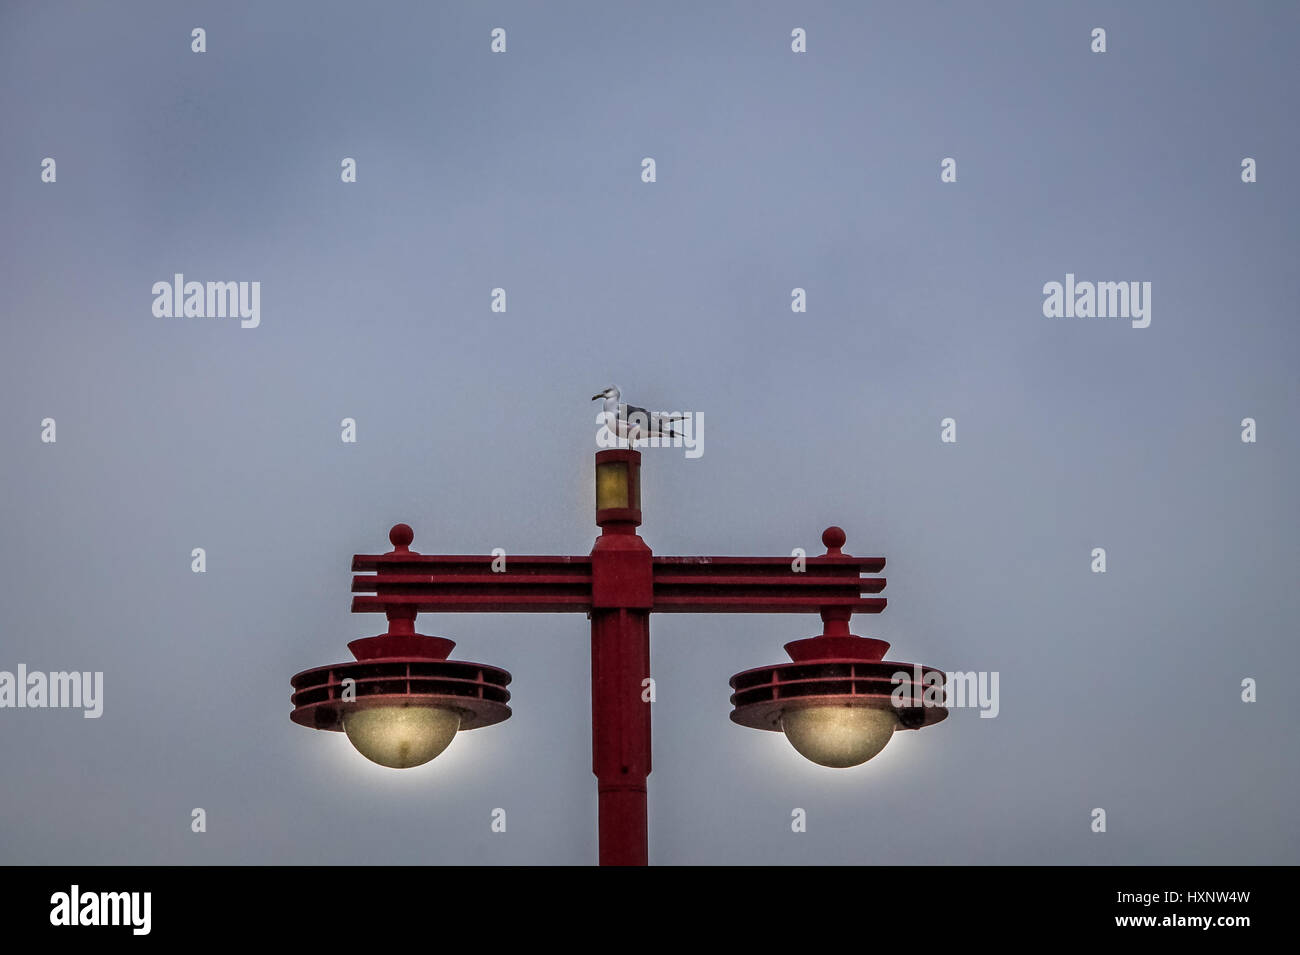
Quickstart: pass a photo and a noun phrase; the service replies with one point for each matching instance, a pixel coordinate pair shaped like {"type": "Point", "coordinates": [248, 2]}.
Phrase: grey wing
{"type": "Point", "coordinates": [649, 419]}
{"type": "Point", "coordinates": [626, 411]}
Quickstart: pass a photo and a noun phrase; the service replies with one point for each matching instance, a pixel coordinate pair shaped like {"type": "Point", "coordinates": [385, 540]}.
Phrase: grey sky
{"type": "Point", "coordinates": [775, 170]}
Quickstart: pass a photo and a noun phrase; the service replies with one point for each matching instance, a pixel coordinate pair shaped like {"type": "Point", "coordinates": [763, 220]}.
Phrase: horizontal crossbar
{"type": "Point", "coordinates": [544, 584]}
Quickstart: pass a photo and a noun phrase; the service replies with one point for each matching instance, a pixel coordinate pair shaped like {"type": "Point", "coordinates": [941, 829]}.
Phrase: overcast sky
{"type": "Point", "coordinates": [774, 171]}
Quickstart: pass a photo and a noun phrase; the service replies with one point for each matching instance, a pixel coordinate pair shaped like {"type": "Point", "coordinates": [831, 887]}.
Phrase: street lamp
{"type": "Point", "coordinates": [401, 702]}
{"type": "Point", "coordinates": [839, 702]}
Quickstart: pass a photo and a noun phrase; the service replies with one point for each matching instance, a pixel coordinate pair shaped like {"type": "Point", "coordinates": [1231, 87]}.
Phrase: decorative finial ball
{"type": "Point", "coordinates": [401, 535]}
{"type": "Point", "coordinates": [834, 537]}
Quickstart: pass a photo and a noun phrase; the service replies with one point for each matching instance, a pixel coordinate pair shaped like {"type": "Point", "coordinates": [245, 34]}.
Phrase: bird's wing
{"type": "Point", "coordinates": [651, 417]}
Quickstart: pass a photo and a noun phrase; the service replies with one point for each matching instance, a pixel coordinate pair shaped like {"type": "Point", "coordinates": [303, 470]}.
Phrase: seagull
{"type": "Point", "coordinates": [635, 423]}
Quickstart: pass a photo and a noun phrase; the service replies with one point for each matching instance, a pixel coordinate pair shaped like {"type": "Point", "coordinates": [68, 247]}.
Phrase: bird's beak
{"type": "Point", "coordinates": [598, 397]}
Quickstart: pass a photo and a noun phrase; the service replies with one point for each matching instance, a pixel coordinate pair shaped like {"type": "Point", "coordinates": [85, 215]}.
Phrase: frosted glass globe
{"type": "Point", "coordinates": [400, 736]}
{"type": "Point", "coordinates": [838, 736]}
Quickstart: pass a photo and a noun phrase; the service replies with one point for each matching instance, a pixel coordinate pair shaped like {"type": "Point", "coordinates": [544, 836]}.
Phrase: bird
{"type": "Point", "coordinates": [633, 423]}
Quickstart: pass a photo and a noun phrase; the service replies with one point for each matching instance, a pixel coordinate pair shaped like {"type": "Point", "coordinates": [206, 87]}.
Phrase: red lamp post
{"type": "Point", "coordinates": [402, 700]}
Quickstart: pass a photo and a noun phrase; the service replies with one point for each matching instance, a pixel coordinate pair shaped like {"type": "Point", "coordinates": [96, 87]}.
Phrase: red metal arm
{"type": "Point", "coordinates": [531, 584]}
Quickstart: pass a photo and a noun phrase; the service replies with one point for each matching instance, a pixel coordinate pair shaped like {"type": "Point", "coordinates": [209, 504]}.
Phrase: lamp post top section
{"type": "Point", "coordinates": [618, 493]}
{"type": "Point", "coordinates": [403, 582]}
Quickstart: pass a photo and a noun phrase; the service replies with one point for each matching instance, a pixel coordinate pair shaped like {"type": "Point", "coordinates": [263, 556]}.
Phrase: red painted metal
{"type": "Point", "coordinates": [618, 585]}
{"type": "Point", "coordinates": [533, 584]}
{"type": "Point", "coordinates": [838, 668]}
{"type": "Point", "coordinates": [622, 588]}
{"type": "Point", "coordinates": [620, 732]}
{"type": "Point", "coordinates": [401, 668]}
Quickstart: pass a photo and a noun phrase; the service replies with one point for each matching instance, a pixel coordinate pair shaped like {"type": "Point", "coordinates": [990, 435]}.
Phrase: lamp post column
{"type": "Point", "coordinates": [620, 728]}
{"type": "Point", "coordinates": [622, 586]}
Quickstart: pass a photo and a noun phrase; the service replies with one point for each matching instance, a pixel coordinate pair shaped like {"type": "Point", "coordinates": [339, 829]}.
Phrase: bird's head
{"type": "Point", "coordinates": [610, 392]}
